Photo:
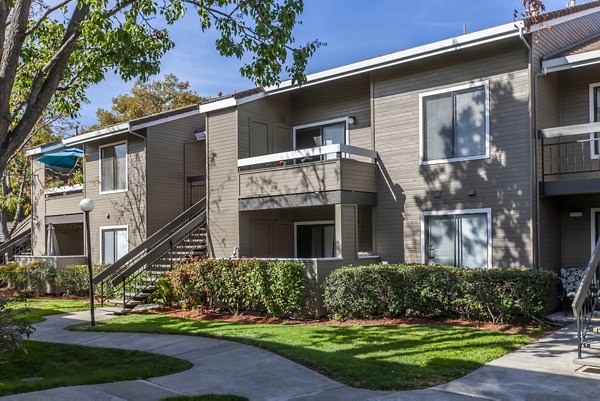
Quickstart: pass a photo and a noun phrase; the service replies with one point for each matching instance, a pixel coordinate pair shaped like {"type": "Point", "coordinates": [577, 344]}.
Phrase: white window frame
{"type": "Point", "coordinates": [126, 167]}
{"type": "Point", "coordinates": [593, 212]}
{"type": "Point", "coordinates": [321, 123]}
{"type": "Point", "coordinates": [310, 223]}
{"type": "Point", "coordinates": [425, 214]}
{"type": "Point", "coordinates": [105, 228]}
{"type": "Point", "coordinates": [422, 141]}
{"type": "Point", "coordinates": [593, 154]}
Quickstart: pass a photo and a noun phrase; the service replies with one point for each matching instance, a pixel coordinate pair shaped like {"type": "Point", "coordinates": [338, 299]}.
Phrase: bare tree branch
{"type": "Point", "coordinates": [46, 15]}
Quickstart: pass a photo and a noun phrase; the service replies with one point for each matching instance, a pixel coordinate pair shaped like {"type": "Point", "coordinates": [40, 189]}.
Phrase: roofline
{"type": "Point", "coordinates": [415, 53]}
{"type": "Point", "coordinates": [164, 119]}
{"type": "Point", "coordinates": [101, 133]}
{"type": "Point", "coordinates": [229, 102]}
{"type": "Point", "coordinates": [571, 61]}
{"type": "Point", "coordinates": [42, 149]}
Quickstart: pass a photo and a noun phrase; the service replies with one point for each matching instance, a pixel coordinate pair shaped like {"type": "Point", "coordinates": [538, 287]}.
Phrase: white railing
{"type": "Point", "coordinates": [308, 153]}
{"type": "Point", "coordinates": [65, 189]}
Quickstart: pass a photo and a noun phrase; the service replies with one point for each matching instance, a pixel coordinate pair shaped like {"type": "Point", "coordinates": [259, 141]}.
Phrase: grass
{"type": "Point", "coordinates": [207, 397]}
{"type": "Point", "coordinates": [69, 365]}
{"type": "Point", "coordinates": [376, 357]}
{"type": "Point", "coordinates": [35, 309]}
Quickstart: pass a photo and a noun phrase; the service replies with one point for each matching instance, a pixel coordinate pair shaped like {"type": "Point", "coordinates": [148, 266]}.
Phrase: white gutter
{"type": "Point", "coordinates": [572, 61]}
{"type": "Point", "coordinates": [101, 133]}
{"type": "Point", "coordinates": [41, 149]}
{"type": "Point", "coordinates": [164, 120]}
{"type": "Point", "coordinates": [229, 102]}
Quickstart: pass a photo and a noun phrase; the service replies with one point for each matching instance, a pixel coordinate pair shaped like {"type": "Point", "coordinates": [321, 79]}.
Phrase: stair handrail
{"type": "Point", "coordinates": [160, 248]}
{"type": "Point", "coordinates": [16, 240]}
{"type": "Point", "coordinates": [586, 297]}
{"type": "Point", "coordinates": [139, 251]}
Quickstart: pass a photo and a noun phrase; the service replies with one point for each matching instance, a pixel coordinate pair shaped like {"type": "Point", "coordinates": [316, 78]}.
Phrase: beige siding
{"type": "Point", "coordinates": [342, 98]}
{"type": "Point", "coordinates": [223, 187]}
{"type": "Point", "coordinates": [577, 231]}
{"type": "Point", "coordinates": [501, 182]}
{"type": "Point", "coordinates": [63, 204]}
{"type": "Point", "coordinates": [122, 208]}
{"type": "Point", "coordinates": [165, 169]}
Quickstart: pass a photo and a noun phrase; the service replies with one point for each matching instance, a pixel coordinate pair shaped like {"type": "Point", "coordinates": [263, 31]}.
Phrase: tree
{"type": "Point", "coordinates": [148, 98]}
{"type": "Point", "coordinates": [50, 53]}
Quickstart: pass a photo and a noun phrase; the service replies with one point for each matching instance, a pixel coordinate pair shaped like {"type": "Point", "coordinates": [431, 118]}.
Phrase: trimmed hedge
{"type": "Point", "coordinates": [74, 279]}
{"type": "Point", "coordinates": [498, 295]}
{"type": "Point", "coordinates": [274, 286]}
{"type": "Point", "coordinates": [34, 277]}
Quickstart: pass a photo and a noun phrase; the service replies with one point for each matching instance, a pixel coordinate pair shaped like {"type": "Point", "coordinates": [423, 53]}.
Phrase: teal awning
{"type": "Point", "coordinates": [66, 158]}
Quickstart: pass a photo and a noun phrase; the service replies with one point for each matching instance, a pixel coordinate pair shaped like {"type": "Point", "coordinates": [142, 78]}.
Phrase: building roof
{"type": "Point", "coordinates": [580, 54]}
{"type": "Point", "coordinates": [588, 45]}
{"type": "Point", "coordinates": [562, 12]}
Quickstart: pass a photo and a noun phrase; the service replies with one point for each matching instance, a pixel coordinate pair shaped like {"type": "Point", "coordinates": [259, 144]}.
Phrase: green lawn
{"type": "Point", "coordinates": [69, 365]}
{"type": "Point", "coordinates": [376, 357]}
{"type": "Point", "coordinates": [36, 309]}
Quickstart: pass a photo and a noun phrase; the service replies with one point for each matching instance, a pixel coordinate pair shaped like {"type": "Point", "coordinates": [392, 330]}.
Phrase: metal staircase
{"type": "Point", "coordinates": [584, 306]}
{"type": "Point", "coordinates": [19, 244]}
{"type": "Point", "coordinates": [132, 279]}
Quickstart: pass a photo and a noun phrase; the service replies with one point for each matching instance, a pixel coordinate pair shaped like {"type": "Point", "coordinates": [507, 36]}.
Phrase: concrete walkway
{"type": "Point", "coordinates": [540, 371]}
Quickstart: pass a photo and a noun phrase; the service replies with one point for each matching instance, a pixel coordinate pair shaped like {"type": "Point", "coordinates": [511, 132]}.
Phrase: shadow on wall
{"type": "Point", "coordinates": [501, 181]}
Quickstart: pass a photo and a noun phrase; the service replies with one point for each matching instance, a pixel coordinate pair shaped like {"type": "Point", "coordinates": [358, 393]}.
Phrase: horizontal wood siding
{"type": "Point", "coordinates": [358, 176]}
{"type": "Point", "coordinates": [501, 182]}
{"type": "Point", "coordinates": [223, 187]}
{"type": "Point", "coordinates": [165, 169]}
{"type": "Point", "coordinates": [63, 204]}
{"type": "Point", "coordinates": [576, 231]}
{"type": "Point", "coordinates": [121, 208]}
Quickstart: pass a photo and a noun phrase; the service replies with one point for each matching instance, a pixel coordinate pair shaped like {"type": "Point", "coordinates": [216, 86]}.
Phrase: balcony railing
{"type": "Point", "coordinates": [65, 189]}
{"type": "Point", "coordinates": [565, 154]}
{"type": "Point", "coordinates": [305, 155]}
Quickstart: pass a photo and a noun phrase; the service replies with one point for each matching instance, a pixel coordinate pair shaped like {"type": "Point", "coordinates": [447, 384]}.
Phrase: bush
{"type": "Point", "coordinates": [74, 279]}
{"type": "Point", "coordinates": [35, 277]}
{"type": "Point", "coordinates": [274, 286]}
{"type": "Point", "coordinates": [498, 295]}
{"type": "Point", "coordinates": [165, 292]}
{"type": "Point", "coordinates": [12, 328]}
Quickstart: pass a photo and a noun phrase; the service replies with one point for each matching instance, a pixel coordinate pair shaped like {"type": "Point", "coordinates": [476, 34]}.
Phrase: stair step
{"type": "Point", "coordinates": [130, 304]}
{"type": "Point", "coordinates": [594, 329]}
{"type": "Point", "coordinates": [593, 344]}
{"type": "Point", "coordinates": [590, 361]}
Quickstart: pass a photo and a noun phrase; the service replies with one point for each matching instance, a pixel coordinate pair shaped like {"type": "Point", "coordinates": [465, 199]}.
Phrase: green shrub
{"type": "Point", "coordinates": [13, 328]}
{"type": "Point", "coordinates": [35, 277]}
{"type": "Point", "coordinates": [165, 292]}
{"type": "Point", "coordinates": [74, 279]}
{"type": "Point", "coordinates": [275, 286]}
{"type": "Point", "coordinates": [498, 295]}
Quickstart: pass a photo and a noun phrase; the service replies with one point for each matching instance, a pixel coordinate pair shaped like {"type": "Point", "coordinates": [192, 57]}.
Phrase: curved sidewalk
{"type": "Point", "coordinates": [540, 371]}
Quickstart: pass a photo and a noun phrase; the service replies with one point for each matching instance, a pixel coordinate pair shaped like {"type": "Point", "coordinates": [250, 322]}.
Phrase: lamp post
{"type": "Point", "coordinates": [87, 205]}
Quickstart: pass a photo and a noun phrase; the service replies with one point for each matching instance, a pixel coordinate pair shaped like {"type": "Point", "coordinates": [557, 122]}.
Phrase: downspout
{"type": "Point", "coordinates": [534, 198]}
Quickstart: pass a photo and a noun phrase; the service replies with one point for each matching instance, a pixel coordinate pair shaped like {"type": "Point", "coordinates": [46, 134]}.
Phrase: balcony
{"type": "Point", "coordinates": [570, 160]}
{"type": "Point", "coordinates": [64, 199]}
{"type": "Point", "coordinates": [316, 176]}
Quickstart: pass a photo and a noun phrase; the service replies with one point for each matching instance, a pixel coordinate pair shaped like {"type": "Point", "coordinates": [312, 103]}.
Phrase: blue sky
{"type": "Point", "coordinates": [353, 30]}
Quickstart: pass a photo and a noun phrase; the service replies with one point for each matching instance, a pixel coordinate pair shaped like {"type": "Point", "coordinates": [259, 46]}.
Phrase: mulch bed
{"type": "Point", "coordinates": [530, 329]}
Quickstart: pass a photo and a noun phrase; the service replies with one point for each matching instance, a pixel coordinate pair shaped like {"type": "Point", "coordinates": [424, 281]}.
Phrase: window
{"type": "Point", "coordinates": [315, 239]}
{"type": "Point", "coordinates": [455, 124]}
{"type": "Point", "coordinates": [314, 136]}
{"type": "Point", "coordinates": [114, 243]}
{"type": "Point", "coordinates": [460, 239]}
{"type": "Point", "coordinates": [113, 167]}
{"type": "Point", "coordinates": [595, 117]}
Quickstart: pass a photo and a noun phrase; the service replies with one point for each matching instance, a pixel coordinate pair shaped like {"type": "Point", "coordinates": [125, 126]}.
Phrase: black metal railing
{"type": "Point", "coordinates": [196, 188]}
{"type": "Point", "coordinates": [19, 244]}
{"type": "Point", "coordinates": [570, 157]}
{"type": "Point", "coordinates": [586, 299]}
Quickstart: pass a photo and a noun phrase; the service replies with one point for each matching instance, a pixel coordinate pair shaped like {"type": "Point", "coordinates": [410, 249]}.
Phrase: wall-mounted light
{"type": "Point", "coordinates": [351, 120]}
{"type": "Point", "coordinates": [575, 212]}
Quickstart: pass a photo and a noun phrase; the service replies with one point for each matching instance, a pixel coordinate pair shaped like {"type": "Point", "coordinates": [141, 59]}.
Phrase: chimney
{"type": "Point", "coordinates": [572, 3]}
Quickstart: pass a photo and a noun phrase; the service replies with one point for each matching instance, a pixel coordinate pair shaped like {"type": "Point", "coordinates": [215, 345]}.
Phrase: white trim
{"type": "Point", "coordinates": [298, 154]}
{"type": "Point", "coordinates": [592, 116]}
{"type": "Point", "coordinates": [570, 62]}
{"type": "Point", "coordinates": [165, 119]}
{"type": "Point", "coordinates": [474, 84]}
{"type": "Point", "coordinates": [43, 149]}
{"type": "Point", "coordinates": [114, 191]}
{"type": "Point", "coordinates": [93, 135]}
{"type": "Point", "coordinates": [228, 102]}
{"type": "Point", "coordinates": [426, 214]}
{"type": "Point", "coordinates": [564, 18]}
{"type": "Point", "coordinates": [104, 228]}
{"type": "Point", "coordinates": [309, 223]}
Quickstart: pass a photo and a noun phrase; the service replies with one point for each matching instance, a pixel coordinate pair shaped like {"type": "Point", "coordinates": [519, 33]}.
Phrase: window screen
{"type": "Point", "coordinates": [113, 167]}
{"type": "Point", "coordinates": [455, 124]}
{"type": "Point", "coordinates": [114, 244]}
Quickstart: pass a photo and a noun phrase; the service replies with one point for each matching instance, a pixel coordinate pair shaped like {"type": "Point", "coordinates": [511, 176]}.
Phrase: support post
{"type": "Point", "coordinates": [89, 263]}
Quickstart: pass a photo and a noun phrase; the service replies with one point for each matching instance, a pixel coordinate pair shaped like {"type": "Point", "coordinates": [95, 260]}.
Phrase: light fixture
{"type": "Point", "coordinates": [351, 120]}
{"type": "Point", "coordinates": [86, 205]}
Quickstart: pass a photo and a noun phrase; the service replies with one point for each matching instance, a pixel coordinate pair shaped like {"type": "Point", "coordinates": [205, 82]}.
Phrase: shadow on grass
{"type": "Point", "coordinates": [375, 357]}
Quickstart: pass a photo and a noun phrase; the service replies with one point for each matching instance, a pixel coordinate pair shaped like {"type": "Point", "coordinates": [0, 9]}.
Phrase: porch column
{"type": "Point", "coordinates": [345, 231]}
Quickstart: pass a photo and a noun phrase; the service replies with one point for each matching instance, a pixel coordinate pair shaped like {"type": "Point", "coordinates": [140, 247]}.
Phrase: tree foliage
{"type": "Point", "coordinates": [52, 52]}
{"type": "Point", "coordinates": [148, 98]}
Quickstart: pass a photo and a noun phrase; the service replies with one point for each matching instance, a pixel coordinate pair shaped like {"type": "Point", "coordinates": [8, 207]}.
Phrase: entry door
{"type": "Point", "coordinates": [442, 238]}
